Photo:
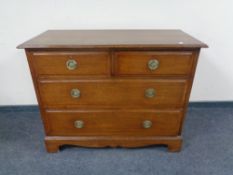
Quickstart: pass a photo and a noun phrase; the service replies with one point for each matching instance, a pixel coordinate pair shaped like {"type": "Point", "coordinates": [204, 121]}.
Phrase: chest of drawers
{"type": "Point", "coordinates": [99, 88]}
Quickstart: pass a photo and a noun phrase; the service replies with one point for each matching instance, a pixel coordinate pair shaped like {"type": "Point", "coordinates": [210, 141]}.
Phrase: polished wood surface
{"type": "Point", "coordinates": [113, 93]}
{"type": "Point", "coordinates": [88, 63]}
{"type": "Point", "coordinates": [112, 76]}
{"type": "Point", "coordinates": [114, 122]}
{"type": "Point", "coordinates": [53, 143]}
{"type": "Point", "coordinates": [136, 63]}
{"type": "Point", "coordinates": [113, 39]}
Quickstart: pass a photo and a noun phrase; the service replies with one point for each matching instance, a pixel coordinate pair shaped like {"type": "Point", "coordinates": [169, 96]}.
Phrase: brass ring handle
{"type": "Point", "coordinates": [79, 124]}
{"type": "Point", "coordinates": [153, 64]}
{"type": "Point", "coordinates": [147, 124]}
{"type": "Point", "coordinates": [150, 93]}
{"type": "Point", "coordinates": [75, 93]}
{"type": "Point", "coordinates": [71, 64]}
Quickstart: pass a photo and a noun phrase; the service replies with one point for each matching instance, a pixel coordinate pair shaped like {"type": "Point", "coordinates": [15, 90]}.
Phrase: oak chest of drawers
{"type": "Point", "coordinates": [127, 88]}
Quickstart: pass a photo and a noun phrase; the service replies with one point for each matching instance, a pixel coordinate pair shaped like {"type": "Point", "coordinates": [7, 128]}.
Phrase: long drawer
{"type": "Point", "coordinates": [142, 93]}
{"type": "Point", "coordinates": [71, 63]}
{"type": "Point", "coordinates": [149, 63]}
{"type": "Point", "coordinates": [138, 123]}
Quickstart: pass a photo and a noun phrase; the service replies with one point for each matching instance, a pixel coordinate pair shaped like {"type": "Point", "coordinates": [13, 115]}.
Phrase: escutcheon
{"type": "Point", "coordinates": [153, 64]}
{"type": "Point", "coordinates": [147, 124]}
{"type": "Point", "coordinates": [79, 124]}
{"type": "Point", "coordinates": [150, 93]}
{"type": "Point", "coordinates": [75, 93]}
{"type": "Point", "coordinates": [71, 64]}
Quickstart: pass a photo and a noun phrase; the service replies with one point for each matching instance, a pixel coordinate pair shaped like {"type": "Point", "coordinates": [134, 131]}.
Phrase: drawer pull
{"type": "Point", "coordinates": [79, 124]}
{"type": "Point", "coordinates": [147, 124]}
{"type": "Point", "coordinates": [71, 64]}
{"type": "Point", "coordinates": [153, 64]}
{"type": "Point", "coordinates": [75, 93]}
{"type": "Point", "coordinates": [150, 93]}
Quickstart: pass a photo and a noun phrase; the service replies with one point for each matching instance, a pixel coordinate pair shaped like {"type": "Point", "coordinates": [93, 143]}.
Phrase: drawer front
{"type": "Point", "coordinates": [153, 63]}
{"type": "Point", "coordinates": [113, 123]}
{"type": "Point", "coordinates": [71, 63]}
{"type": "Point", "coordinates": [114, 93]}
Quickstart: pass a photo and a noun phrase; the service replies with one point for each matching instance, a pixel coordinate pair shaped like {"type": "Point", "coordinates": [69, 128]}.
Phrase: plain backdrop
{"type": "Point", "coordinates": [208, 20]}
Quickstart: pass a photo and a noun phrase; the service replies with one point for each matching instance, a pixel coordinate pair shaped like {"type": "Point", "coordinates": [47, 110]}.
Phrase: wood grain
{"type": "Point", "coordinates": [114, 122]}
{"type": "Point", "coordinates": [88, 63]}
{"type": "Point", "coordinates": [136, 63]}
{"type": "Point", "coordinates": [113, 39]}
{"type": "Point", "coordinates": [53, 143]}
{"type": "Point", "coordinates": [113, 93]}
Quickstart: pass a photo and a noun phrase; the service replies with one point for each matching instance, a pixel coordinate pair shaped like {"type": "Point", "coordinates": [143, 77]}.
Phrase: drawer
{"type": "Point", "coordinates": [147, 93]}
{"type": "Point", "coordinates": [71, 63]}
{"type": "Point", "coordinates": [153, 63]}
{"type": "Point", "coordinates": [106, 122]}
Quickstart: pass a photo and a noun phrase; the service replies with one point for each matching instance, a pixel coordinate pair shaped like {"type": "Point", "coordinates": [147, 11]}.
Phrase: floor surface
{"type": "Point", "coordinates": [207, 149]}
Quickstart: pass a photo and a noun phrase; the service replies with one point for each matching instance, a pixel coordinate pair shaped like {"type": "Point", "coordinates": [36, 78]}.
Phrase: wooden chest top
{"type": "Point", "coordinates": [113, 39]}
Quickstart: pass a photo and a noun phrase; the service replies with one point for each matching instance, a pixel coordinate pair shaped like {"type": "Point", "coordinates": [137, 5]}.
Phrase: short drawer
{"type": "Point", "coordinates": [147, 93]}
{"type": "Point", "coordinates": [71, 63]}
{"type": "Point", "coordinates": [153, 63]}
{"type": "Point", "coordinates": [138, 123]}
